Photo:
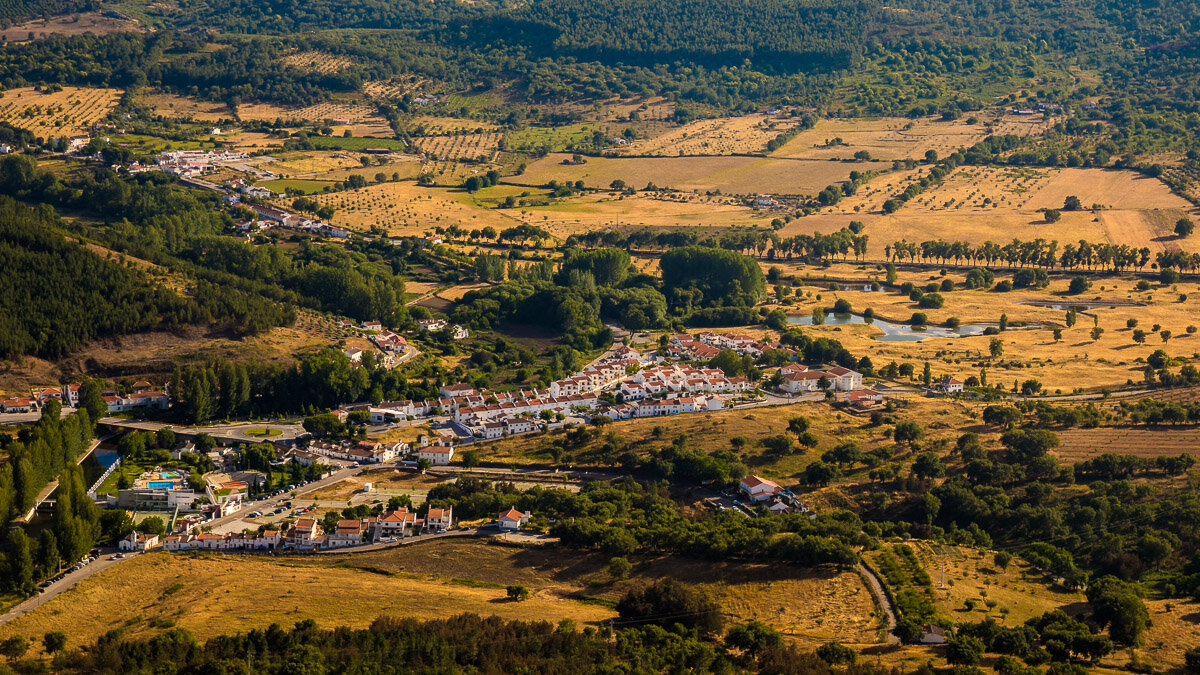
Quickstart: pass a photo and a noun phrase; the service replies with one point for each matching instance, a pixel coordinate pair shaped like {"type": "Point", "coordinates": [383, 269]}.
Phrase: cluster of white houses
{"type": "Point", "coordinates": [457, 332]}
{"type": "Point", "coordinates": [269, 217]}
{"type": "Point", "coordinates": [142, 395]}
{"type": "Point", "coordinates": [704, 346]}
{"type": "Point", "coordinates": [192, 163]}
{"type": "Point", "coordinates": [364, 452]}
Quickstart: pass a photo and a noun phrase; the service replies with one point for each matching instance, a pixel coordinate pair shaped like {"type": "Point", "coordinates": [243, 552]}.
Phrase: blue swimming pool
{"type": "Point", "coordinates": [161, 484]}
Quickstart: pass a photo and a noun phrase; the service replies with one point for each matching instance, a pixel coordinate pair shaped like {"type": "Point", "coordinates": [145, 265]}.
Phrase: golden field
{"type": "Point", "coordinates": [70, 112]}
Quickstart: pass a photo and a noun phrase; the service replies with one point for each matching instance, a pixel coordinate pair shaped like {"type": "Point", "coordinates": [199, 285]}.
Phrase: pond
{"type": "Point", "coordinates": [895, 332]}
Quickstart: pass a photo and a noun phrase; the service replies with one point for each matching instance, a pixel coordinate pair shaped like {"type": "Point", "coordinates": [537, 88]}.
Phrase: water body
{"type": "Point", "coordinates": [96, 463]}
{"type": "Point", "coordinates": [895, 332]}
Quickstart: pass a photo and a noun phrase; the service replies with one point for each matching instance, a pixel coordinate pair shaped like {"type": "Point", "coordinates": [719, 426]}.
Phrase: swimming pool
{"type": "Point", "coordinates": [161, 484]}
{"type": "Point", "coordinates": [168, 474]}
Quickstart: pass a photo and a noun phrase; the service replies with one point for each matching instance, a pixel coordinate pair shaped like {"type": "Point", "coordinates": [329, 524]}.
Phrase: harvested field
{"type": "Point", "coordinates": [738, 175]}
{"type": "Point", "coordinates": [353, 112]}
{"type": "Point", "coordinates": [724, 136]}
{"type": "Point", "coordinates": [69, 24]}
{"type": "Point", "coordinates": [1081, 444]}
{"type": "Point", "coordinates": [309, 164]}
{"type": "Point", "coordinates": [182, 107]}
{"type": "Point", "coordinates": [447, 126]}
{"type": "Point", "coordinates": [979, 204]}
{"type": "Point", "coordinates": [463, 146]}
{"type": "Point", "coordinates": [598, 211]}
{"type": "Point", "coordinates": [317, 62]}
{"type": "Point", "coordinates": [405, 208]}
{"type": "Point", "coordinates": [69, 112]}
{"type": "Point", "coordinates": [886, 138]}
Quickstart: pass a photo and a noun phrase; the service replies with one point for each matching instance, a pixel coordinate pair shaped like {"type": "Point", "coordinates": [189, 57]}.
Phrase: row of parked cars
{"type": "Point", "coordinates": [89, 559]}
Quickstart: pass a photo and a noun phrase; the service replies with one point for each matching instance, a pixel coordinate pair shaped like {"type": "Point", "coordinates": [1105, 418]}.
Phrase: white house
{"type": "Point", "coordinates": [512, 519]}
{"type": "Point", "coordinates": [438, 455]}
{"type": "Point", "coordinates": [439, 519]}
{"type": "Point", "coordinates": [138, 542]}
{"type": "Point", "coordinates": [932, 635]}
{"type": "Point", "coordinates": [951, 385]}
{"type": "Point", "coordinates": [759, 489]}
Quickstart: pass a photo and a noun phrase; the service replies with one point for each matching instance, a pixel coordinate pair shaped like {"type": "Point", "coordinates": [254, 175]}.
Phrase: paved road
{"type": "Point", "coordinates": [876, 587]}
{"type": "Point", "coordinates": [57, 588]}
{"type": "Point", "coordinates": [234, 432]}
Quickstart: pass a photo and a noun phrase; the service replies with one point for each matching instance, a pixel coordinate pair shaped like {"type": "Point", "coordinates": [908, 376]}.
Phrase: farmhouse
{"type": "Point", "coordinates": [950, 385]}
{"type": "Point", "coordinates": [512, 519]}
{"type": "Point", "coordinates": [759, 489]}
{"type": "Point", "coordinates": [437, 455]}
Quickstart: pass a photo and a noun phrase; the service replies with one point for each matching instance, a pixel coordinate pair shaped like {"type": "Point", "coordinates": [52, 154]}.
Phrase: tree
{"type": "Point", "coordinates": [928, 465]}
{"type": "Point", "coordinates": [54, 641]}
{"type": "Point", "coordinates": [753, 638]}
{"type": "Point", "coordinates": [20, 562]}
{"type": "Point", "coordinates": [668, 602]}
{"type": "Point", "coordinates": [1097, 331]}
{"type": "Point", "coordinates": [964, 650]}
{"type": "Point", "coordinates": [619, 568]}
{"type": "Point", "coordinates": [1079, 284]}
{"type": "Point", "coordinates": [797, 425]}
{"type": "Point", "coordinates": [325, 424]}
{"type": "Point", "coordinates": [164, 438]}
{"type": "Point", "coordinates": [48, 558]}
{"type": "Point", "coordinates": [1184, 227]}
{"type": "Point", "coordinates": [517, 593]}
{"type": "Point", "coordinates": [907, 431]}
{"type": "Point", "coordinates": [14, 647]}
{"type": "Point", "coordinates": [1072, 203]}
{"type": "Point", "coordinates": [835, 653]}
{"type": "Point", "coordinates": [91, 399]}
{"type": "Point", "coordinates": [996, 347]}
{"type": "Point", "coordinates": [470, 459]}
{"type": "Point", "coordinates": [1053, 215]}
{"type": "Point", "coordinates": [152, 525]}
{"type": "Point", "coordinates": [1002, 559]}
{"type": "Point", "coordinates": [728, 361]}
{"type": "Point", "coordinates": [1116, 604]}
{"type": "Point", "coordinates": [821, 473]}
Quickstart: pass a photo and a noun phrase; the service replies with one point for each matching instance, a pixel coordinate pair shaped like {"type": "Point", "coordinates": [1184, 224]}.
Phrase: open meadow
{"type": "Point", "coordinates": [213, 594]}
{"type": "Point", "coordinates": [743, 135]}
{"type": "Point", "coordinates": [1028, 352]}
{"type": "Point", "coordinates": [95, 23]}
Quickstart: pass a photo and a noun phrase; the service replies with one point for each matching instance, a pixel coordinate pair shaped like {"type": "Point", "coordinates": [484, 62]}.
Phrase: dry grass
{"type": "Point", "coordinates": [1082, 444]}
{"type": "Point", "coordinates": [224, 594]}
{"type": "Point", "coordinates": [404, 208]}
{"type": "Point", "coordinates": [890, 138]}
{"type": "Point", "coordinates": [723, 136]}
{"type": "Point", "coordinates": [458, 147]}
{"type": "Point", "coordinates": [386, 482]}
{"type": "Point", "coordinates": [214, 594]}
{"type": "Point", "coordinates": [311, 164]}
{"type": "Point", "coordinates": [738, 175]}
{"type": "Point", "coordinates": [182, 107]}
{"type": "Point", "coordinates": [960, 574]}
{"type": "Point", "coordinates": [979, 204]}
{"type": "Point", "coordinates": [69, 24]}
{"type": "Point", "coordinates": [1075, 361]}
{"type": "Point", "coordinates": [69, 112]}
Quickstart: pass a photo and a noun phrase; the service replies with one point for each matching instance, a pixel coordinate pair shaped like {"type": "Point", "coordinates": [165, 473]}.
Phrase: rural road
{"type": "Point", "coordinates": [235, 432]}
{"type": "Point", "coordinates": [57, 588]}
{"type": "Point", "coordinates": [876, 587]}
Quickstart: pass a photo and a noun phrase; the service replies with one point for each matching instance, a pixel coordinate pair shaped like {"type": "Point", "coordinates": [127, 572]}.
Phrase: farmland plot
{"type": "Point", "coordinates": [69, 24]}
{"type": "Point", "coordinates": [462, 146]}
{"type": "Point", "coordinates": [728, 136]}
{"type": "Point", "coordinates": [317, 62]}
{"type": "Point", "coordinates": [1081, 444]}
{"type": "Point", "coordinates": [69, 112]}
{"type": "Point", "coordinates": [404, 208]}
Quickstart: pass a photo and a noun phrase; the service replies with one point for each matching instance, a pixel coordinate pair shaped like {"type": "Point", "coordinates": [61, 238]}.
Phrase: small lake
{"type": "Point", "coordinates": [894, 332]}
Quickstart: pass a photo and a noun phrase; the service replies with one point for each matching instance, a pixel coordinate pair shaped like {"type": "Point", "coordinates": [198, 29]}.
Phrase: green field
{"type": "Point", "coordinates": [548, 139]}
{"type": "Point", "coordinates": [354, 143]}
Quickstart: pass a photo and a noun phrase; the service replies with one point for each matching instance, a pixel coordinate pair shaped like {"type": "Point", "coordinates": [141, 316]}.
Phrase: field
{"type": "Point", "coordinates": [1076, 361]}
{"type": "Point", "coordinates": [361, 120]}
{"type": "Point", "coordinates": [69, 112]}
{"type": "Point", "coordinates": [216, 594]}
{"type": "Point", "coordinates": [603, 210]}
{"type": "Point", "coordinates": [458, 147]}
{"type": "Point", "coordinates": [69, 24]}
{"type": "Point", "coordinates": [722, 136]}
{"type": "Point", "coordinates": [550, 139]}
{"type": "Point", "coordinates": [317, 62]}
{"type": "Point", "coordinates": [1081, 444]}
{"type": "Point", "coordinates": [404, 208]}
{"type": "Point", "coordinates": [393, 88]}
{"type": "Point", "coordinates": [355, 143]}
{"type": "Point", "coordinates": [979, 204]}
{"type": "Point", "coordinates": [182, 107]}
{"type": "Point", "coordinates": [312, 164]}
{"type": "Point", "coordinates": [385, 483]}
{"type": "Point", "coordinates": [738, 175]}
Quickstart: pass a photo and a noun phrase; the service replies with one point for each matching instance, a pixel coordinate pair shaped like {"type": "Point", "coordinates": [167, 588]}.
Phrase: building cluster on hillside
{"type": "Point", "coordinates": [272, 217]}
{"type": "Point", "coordinates": [768, 494]}
{"type": "Point", "coordinates": [193, 163]}
{"type": "Point", "coordinates": [303, 534]}
{"type": "Point", "coordinates": [438, 325]}
{"type": "Point", "coordinates": [142, 395]}
{"type": "Point", "coordinates": [704, 346]}
{"type": "Point", "coordinates": [363, 452]}
{"type": "Point", "coordinates": [249, 190]}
